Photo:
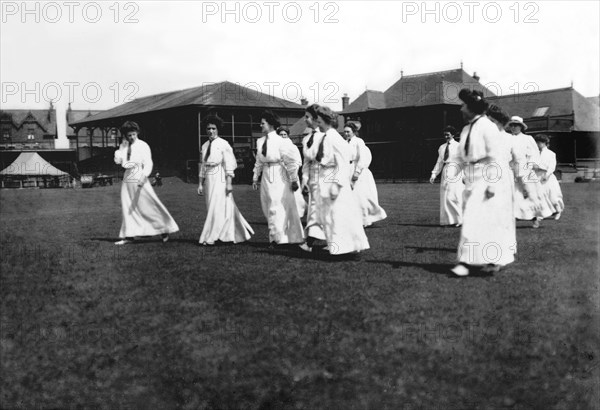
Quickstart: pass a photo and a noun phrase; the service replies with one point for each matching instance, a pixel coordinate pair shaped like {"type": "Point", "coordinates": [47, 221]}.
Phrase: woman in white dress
{"type": "Point", "coordinates": [143, 213]}
{"type": "Point", "coordinates": [224, 222]}
{"type": "Point", "coordinates": [529, 201]}
{"type": "Point", "coordinates": [284, 133]}
{"type": "Point", "coordinates": [545, 172]}
{"type": "Point", "coordinates": [451, 184]}
{"type": "Point", "coordinates": [487, 234]}
{"type": "Point", "coordinates": [276, 162]}
{"type": "Point", "coordinates": [510, 155]}
{"type": "Point", "coordinates": [362, 181]}
{"type": "Point", "coordinates": [338, 211]}
{"type": "Point", "coordinates": [310, 180]}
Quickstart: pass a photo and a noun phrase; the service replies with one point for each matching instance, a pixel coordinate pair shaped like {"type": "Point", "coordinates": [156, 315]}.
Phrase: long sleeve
{"type": "Point", "coordinates": [147, 163]}
{"type": "Point", "coordinates": [202, 165]}
{"type": "Point", "coordinates": [258, 164]}
{"type": "Point", "coordinates": [364, 157]}
{"type": "Point", "coordinates": [340, 151]}
{"type": "Point", "coordinates": [229, 160]}
{"type": "Point", "coordinates": [291, 159]}
{"type": "Point", "coordinates": [305, 171]}
{"type": "Point", "coordinates": [121, 153]}
{"type": "Point", "coordinates": [439, 165]}
{"type": "Point", "coordinates": [547, 162]}
{"type": "Point", "coordinates": [519, 161]}
{"type": "Point", "coordinates": [551, 164]}
{"type": "Point", "coordinates": [119, 156]}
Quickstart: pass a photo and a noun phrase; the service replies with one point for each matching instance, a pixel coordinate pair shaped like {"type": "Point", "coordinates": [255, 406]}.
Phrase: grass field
{"type": "Point", "coordinates": [86, 324]}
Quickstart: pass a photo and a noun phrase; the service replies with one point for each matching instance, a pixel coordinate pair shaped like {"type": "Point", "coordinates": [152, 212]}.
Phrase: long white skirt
{"type": "Point", "coordinates": [553, 194]}
{"type": "Point", "coordinates": [313, 224]}
{"type": "Point", "coordinates": [488, 234]}
{"type": "Point", "coordinates": [365, 192]}
{"type": "Point", "coordinates": [536, 204]}
{"type": "Point", "coordinates": [300, 202]}
{"type": "Point", "coordinates": [451, 195]}
{"type": "Point", "coordinates": [224, 222]}
{"type": "Point", "coordinates": [143, 213]}
{"type": "Point", "coordinates": [279, 206]}
{"type": "Point", "coordinates": [340, 218]}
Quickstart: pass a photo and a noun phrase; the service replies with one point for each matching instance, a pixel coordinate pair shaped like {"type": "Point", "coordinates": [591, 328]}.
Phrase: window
{"type": "Point", "coordinates": [31, 133]}
{"type": "Point", "coordinates": [6, 134]}
{"type": "Point", "coordinates": [540, 111]}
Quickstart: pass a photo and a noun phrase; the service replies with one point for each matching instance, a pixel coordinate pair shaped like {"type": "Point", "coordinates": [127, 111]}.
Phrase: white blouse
{"type": "Point", "coordinates": [547, 162]}
{"type": "Point", "coordinates": [140, 159]}
{"type": "Point", "coordinates": [279, 151]}
{"type": "Point", "coordinates": [221, 153]}
{"type": "Point", "coordinates": [485, 143]}
{"type": "Point", "coordinates": [360, 155]}
{"type": "Point", "coordinates": [453, 156]}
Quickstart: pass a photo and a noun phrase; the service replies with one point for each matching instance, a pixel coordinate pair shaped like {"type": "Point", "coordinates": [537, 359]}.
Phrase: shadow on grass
{"type": "Point", "coordinates": [422, 225]}
{"type": "Point", "coordinates": [439, 268]}
{"type": "Point", "coordinates": [148, 239]}
{"type": "Point", "coordinates": [421, 249]}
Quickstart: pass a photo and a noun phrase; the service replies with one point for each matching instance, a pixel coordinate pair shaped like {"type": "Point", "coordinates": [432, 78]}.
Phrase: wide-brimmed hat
{"type": "Point", "coordinates": [517, 120]}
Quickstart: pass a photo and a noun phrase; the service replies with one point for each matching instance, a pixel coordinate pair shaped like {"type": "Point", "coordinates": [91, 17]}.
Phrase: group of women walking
{"type": "Point", "coordinates": [490, 178]}
{"type": "Point", "coordinates": [336, 190]}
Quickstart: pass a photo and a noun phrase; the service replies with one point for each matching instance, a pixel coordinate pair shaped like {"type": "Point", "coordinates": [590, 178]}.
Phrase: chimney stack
{"type": "Point", "coordinates": [50, 111]}
{"type": "Point", "coordinates": [303, 101]}
{"type": "Point", "coordinates": [475, 76]}
{"type": "Point", "coordinates": [345, 101]}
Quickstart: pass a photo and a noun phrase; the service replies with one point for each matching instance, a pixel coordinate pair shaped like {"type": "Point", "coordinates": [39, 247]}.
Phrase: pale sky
{"type": "Point", "coordinates": [353, 45]}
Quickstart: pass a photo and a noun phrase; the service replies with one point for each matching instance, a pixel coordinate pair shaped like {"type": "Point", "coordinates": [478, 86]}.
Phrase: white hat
{"type": "Point", "coordinates": [517, 120]}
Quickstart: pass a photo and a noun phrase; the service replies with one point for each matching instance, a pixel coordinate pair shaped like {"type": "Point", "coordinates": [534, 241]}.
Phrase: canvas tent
{"type": "Point", "coordinates": [31, 170]}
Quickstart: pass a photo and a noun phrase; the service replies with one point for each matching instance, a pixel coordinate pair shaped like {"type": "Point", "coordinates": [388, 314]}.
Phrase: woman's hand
{"type": "Point", "coordinates": [228, 189]}
{"type": "Point", "coordinates": [200, 189]}
{"type": "Point", "coordinates": [335, 191]}
{"type": "Point", "coordinates": [254, 185]}
{"type": "Point", "coordinates": [142, 181]}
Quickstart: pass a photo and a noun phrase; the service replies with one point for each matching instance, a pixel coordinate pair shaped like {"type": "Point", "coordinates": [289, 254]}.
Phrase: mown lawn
{"type": "Point", "coordinates": [86, 324]}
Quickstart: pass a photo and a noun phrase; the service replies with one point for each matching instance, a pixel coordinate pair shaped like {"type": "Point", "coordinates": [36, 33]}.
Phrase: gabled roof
{"type": "Point", "coordinates": [31, 163]}
{"type": "Point", "coordinates": [297, 130]}
{"type": "Point", "coordinates": [223, 94]}
{"type": "Point", "coordinates": [594, 100]}
{"type": "Point", "coordinates": [369, 100]}
{"type": "Point", "coordinates": [435, 88]}
{"type": "Point", "coordinates": [78, 115]}
{"type": "Point", "coordinates": [20, 117]}
{"type": "Point", "coordinates": [561, 101]}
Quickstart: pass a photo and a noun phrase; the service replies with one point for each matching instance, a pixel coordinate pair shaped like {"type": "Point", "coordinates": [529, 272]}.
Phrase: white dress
{"type": "Point", "coordinates": [365, 190]}
{"type": "Point", "coordinates": [551, 188]}
{"type": "Point", "coordinates": [451, 185]}
{"type": "Point", "coordinates": [535, 204]}
{"type": "Point", "coordinates": [340, 218]}
{"type": "Point", "coordinates": [488, 230]}
{"type": "Point", "coordinates": [279, 169]}
{"type": "Point", "coordinates": [224, 222]}
{"type": "Point", "coordinates": [294, 152]}
{"type": "Point", "coordinates": [143, 213]}
{"type": "Point", "coordinates": [310, 179]}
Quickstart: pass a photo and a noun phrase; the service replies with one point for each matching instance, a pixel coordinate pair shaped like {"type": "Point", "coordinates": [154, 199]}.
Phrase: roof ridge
{"type": "Point", "coordinates": [431, 73]}
{"type": "Point", "coordinates": [180, 90]}
{"type": "Point", "coordinates": [536, 92]}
